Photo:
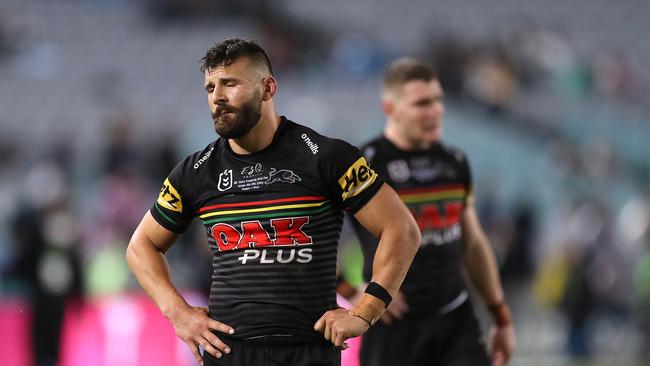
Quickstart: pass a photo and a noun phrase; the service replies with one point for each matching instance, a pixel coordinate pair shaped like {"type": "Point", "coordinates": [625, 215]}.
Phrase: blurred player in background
{"type": "Point", "coordinates": [271, 194]}
{"type": "Point", "coordinates": [431, 321]}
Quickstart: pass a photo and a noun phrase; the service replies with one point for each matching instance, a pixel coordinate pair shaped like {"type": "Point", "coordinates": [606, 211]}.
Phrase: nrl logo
{"type": "Point", "coordinates": [399, 171]}
{"type": "Point", "coordinates": [225, 180]}
{"type": "Point", "coordinates": [282, 175]}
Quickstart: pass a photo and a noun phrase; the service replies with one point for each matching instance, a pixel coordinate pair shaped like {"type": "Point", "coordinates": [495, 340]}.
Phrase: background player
{"type": "Point", "coordinates": [270, 193]}
{"type": "Point", "coordinates": [431, 321]}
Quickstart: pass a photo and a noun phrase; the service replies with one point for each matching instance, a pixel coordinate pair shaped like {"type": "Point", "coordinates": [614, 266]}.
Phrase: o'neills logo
{"type": "Point", "coordinates": [312, 145]}
{"type": "Point", "coordinates": [203, 158]}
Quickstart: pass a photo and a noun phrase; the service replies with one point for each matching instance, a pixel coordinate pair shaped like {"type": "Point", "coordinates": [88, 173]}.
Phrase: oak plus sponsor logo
{"type": "Point", "coordinates": [442, 236]}
{"type": "Point", "coordinates": [203, 159]}
{"type": "Point", "coordinates": [282, 256]}
{"type": "Point", "coordinates": [356, 179]}
{"type": "Point", "coordinates": [312, 145]}
{"type": "Point", "coordinates": [225, 180]}
{"type": "Point", "coordinates": [287, 239]}
{"type": "Point", "coordinates": [439, 227]}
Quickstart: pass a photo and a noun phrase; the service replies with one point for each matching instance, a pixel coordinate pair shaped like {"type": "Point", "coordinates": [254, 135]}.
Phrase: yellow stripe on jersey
{"type": "Point", "coordinates": [263, 209]}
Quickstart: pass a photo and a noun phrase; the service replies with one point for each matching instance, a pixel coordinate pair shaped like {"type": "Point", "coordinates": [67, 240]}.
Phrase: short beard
{"type": "Point", "coordinates": [244, 118]}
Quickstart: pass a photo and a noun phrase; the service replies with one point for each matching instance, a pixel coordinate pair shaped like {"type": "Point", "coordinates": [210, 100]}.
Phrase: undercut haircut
{"type": "Point", "coordinates": [230, 50]}
{"type": "Point", "coordinates": [406, 69]}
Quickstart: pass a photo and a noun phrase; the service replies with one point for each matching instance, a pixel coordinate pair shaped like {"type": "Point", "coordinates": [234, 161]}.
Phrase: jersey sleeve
{"type": "Point", "coordinates": [348, 176]}
{"type": "Point", "coordinates": [173, 208]}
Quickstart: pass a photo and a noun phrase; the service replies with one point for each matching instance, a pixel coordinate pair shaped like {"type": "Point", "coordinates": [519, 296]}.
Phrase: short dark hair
{"type": "Point", "coordinates": [230, 50]}
{"type": "Point", "coordinates": [406, 69]}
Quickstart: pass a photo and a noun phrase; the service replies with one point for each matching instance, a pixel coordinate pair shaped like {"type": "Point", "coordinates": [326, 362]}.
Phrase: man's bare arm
{"type": "Point", "coordinates": [146, 258]}
{"type": "Point", "coordinates": [481, 266]}
{"type": "Point", "coordinates": [385, 216]}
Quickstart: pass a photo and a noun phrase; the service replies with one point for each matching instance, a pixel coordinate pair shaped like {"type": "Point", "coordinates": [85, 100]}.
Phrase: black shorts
{"type": "Point", "coordinates": [453, 339]}
{"type": "Point", "coordinates": [276, 352]}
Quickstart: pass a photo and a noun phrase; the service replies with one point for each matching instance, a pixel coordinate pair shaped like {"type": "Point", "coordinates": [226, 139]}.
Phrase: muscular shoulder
{"type": "Point", "coordinates": [195, 163]}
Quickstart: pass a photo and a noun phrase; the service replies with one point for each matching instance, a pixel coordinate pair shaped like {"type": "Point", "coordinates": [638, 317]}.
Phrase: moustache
{"type": "Point", "coordinates": [221, 109]}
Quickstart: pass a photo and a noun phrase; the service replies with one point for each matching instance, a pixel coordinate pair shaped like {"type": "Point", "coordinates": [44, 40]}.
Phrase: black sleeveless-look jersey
{"type": "Point", "coordinates": [273, 220]}
{"type": "Point", "coordinates": [436, 186]}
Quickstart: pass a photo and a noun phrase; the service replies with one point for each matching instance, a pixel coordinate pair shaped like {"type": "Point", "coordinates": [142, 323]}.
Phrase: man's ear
{"type": "Point", "coordinates": [270, 87]}
{"type": "Point", "coordinates": [387, 106]}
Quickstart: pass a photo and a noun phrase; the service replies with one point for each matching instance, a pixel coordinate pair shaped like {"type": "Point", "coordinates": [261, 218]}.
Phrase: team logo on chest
{"type": "Point", "coordinates": [254, 177]}
{"type": "Point", "coordinates": [282, 175]}
{"type": "Point", "coordinates": [399, 171]}
{"type": "Point", "coordinates": [225, 180]}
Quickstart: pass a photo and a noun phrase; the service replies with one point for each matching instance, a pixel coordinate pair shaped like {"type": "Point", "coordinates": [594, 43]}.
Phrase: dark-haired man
{"type": "Point", "coordinates": [271, 194]}
{"type": "Point", "coordinates": [430, 321]}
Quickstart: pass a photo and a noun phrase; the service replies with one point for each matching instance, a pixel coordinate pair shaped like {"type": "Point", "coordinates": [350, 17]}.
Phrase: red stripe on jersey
{"type": "Point", "coordinates": [256, 203]}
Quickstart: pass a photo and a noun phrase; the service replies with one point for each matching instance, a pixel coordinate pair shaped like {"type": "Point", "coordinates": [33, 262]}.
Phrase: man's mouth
{"type": "Point", "coordinates": [220, 111]}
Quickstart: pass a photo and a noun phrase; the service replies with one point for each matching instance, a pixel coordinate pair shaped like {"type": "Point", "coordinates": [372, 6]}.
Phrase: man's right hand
{"type": "Point", "coordinates": [194, 327]}
{"type": "Point", "coordinates": [396, 309]}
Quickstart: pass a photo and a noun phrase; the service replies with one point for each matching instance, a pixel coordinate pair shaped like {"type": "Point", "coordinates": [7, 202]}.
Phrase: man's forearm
{"type": "Point", "coordinates": [386, 217]}
{"type": "Point", "coordinates": [152, 272]}
{"type": "Point", "coordinates": [394, 255]}
{"type": "Point", "coordinates": [481, 266]}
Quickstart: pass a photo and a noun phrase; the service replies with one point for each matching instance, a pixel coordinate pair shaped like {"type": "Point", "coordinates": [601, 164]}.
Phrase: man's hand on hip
{"type": "Point", "coordinates": [194, 327]}
{"type": "Point", "coordinates": [338, 325]}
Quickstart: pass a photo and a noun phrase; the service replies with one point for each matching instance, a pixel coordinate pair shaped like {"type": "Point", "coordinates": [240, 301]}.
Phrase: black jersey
{"type": "Point", "coordinates": [273, 220]}
{"type": "Point", "coordinates": [436, 186]}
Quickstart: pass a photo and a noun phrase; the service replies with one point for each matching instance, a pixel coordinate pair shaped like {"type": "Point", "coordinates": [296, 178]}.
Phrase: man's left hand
{"type": "Point", "coordinates": [502, 344]}
{"type": "Point", "coordinates": [338, 325]}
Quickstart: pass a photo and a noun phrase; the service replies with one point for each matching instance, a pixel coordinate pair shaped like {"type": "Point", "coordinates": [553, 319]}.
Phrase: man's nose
{"type": "Point", "coordinates": [436, 109]}
{"type": "Point", "coordinates": [217, 95]}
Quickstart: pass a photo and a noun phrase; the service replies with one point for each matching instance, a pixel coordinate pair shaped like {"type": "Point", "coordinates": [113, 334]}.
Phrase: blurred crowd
{"type": "Point", "coordinates": [584, 256]}
{"type": "Point", "coordinates": [64, 241]}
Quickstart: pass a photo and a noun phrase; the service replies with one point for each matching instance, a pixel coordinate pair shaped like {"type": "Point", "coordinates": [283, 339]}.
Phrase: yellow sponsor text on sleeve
{"type": "Point", "coordinates": [356, 179]}
{"type": "Point", "coordinates": [169, 198]}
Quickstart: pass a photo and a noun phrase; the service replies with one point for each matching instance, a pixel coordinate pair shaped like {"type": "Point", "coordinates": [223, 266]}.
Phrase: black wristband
{"type": "Point", "coordinates": [379, 292]}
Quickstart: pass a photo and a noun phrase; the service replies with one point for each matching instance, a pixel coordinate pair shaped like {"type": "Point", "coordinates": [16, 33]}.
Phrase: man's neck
{"type": "Point", "coordinates": [402, 142]}
{"type": "Point", "coordinates": [258, 138]}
